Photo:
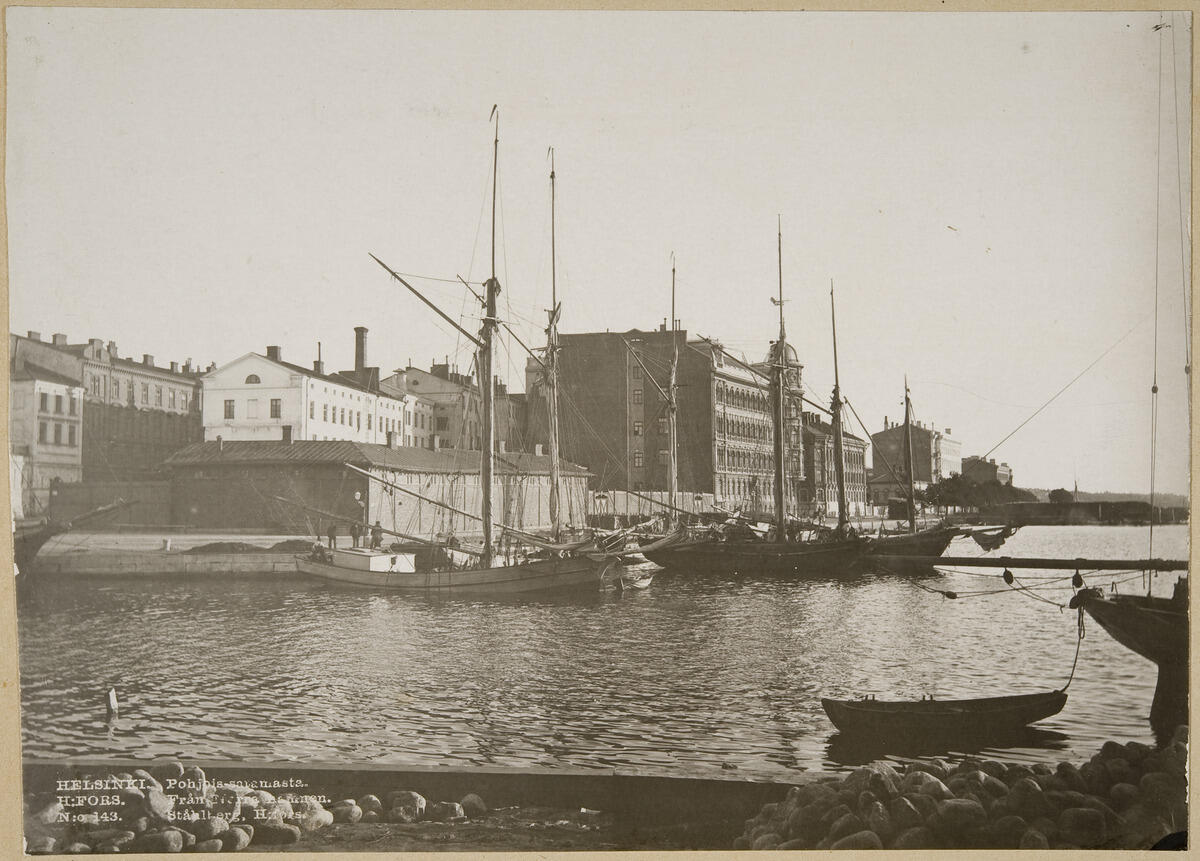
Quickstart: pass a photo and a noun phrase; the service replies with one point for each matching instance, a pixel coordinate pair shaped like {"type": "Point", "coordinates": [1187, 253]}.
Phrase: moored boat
{"type": "Point", "coordinates": [929, 717]}
{"type": "Point", "coordinates": [432, 571]}
{"type": "Point", "coordinates": [1155, 628]}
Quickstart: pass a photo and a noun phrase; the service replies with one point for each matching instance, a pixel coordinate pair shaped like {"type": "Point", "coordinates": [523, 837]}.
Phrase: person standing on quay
{"type": "Point", "coordinates": [332, 535]}
{"type": "Point", "coordinates": [355, 532]}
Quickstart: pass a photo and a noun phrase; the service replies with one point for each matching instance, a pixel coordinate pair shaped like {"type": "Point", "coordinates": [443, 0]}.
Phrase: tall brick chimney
{"type": "Point", "coordinates": [360, 347]}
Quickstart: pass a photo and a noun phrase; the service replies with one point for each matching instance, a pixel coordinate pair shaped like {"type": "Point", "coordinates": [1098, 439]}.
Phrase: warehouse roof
{"type": "Point", "coordinates": [403, 458]}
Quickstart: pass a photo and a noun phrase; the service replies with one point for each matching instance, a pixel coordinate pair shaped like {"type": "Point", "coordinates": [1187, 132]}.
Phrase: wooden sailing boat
{"type": "Point", "coordinates": [931, 541]}
{"type": "Point", "coordinates": [546, 567]}
{"type": "Point", "coordinates": [778, 554]}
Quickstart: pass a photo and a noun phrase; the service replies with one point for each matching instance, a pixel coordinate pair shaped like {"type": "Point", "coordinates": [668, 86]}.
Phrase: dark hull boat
{"type": "Point", "coordinates": [927, 542]}
{"type": "Point", "coordinates": [1155, 628]}
{"type": "Point", "coordinates": [816, 558]}
{"type": "Point", "coordinates": [975, 718]}
{"type": "Point", "coordinates": [28, 539]}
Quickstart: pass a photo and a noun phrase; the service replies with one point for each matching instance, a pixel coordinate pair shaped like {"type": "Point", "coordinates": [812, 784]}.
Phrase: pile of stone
{"type": "Point", "coordinates": [178, 810]}
{"type": "Point", "coordinates": [1127, 796]}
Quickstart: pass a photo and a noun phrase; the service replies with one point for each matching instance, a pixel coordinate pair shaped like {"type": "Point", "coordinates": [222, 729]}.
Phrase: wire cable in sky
{"type": "Point", "coordinates": [1064, 388]}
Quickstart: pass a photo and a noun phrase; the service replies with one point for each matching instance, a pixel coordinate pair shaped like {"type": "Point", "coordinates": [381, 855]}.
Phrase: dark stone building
{"type": "Point", "coordinates": [614, 420]}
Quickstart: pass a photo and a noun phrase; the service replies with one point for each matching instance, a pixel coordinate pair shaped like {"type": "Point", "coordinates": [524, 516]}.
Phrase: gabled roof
{"type": "Point", "coordinates": [404, 458]}
{"type": "Point", "coordinates": [30, 371]}
{"type": "Point", "coordinates": [335, 378]}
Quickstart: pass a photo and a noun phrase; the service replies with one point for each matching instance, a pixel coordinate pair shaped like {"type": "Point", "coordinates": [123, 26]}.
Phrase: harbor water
{"type": "Point", "coordinates": [697, 676]}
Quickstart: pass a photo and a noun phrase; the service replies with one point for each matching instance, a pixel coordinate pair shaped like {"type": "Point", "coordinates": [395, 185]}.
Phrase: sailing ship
{"type": "Point", "coordinates": [531, 563]}
{"type": "Point", "coordinates": [780, 552]}
{"type": "Point", "coordinates": [930, 541]}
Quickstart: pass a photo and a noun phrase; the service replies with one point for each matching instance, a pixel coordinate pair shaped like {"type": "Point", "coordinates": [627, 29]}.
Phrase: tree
{"type": "Point", "coordinates": [1061, 496]}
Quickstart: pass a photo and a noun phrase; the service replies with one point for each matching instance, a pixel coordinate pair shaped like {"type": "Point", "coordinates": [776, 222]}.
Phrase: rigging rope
{"type": "Point", "coordinates": [1063, 389]}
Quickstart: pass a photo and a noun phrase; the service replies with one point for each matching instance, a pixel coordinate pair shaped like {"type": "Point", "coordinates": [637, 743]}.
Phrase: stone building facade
{"type": "Point", "coordinates": [614, 421]}
{"type": "Point", "coordinates": [45, 410]}
{"type": "Point", "coordinates": [136, 413]}
{"type": "Point", "coordinates": [821, 477]}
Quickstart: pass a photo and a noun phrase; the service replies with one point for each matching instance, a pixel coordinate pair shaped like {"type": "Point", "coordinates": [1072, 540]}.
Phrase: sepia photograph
{"type": "Point", "coordinates": [563, 431]}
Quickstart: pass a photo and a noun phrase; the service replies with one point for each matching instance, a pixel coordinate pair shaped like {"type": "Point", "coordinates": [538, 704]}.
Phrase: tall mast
{"type": "Point", "coordinates": [672, 403]}
{"type": "Point", "coordinates": [779, 387]}
{"type": "Point", "coordinates": [488, 441]}
{"type": "Point", "coordinates": [836, 410]}
{"type": "Point", "coordinates": [908, 453]}
{"type": "Point", "coordinates": [552, 375]}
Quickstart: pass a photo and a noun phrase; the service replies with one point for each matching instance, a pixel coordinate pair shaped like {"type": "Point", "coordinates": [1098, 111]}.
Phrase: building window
{"type": "Point", "coordinates": [229, 409]}
{"type": "Point", "coordinates": [57, 433]}
{"type": "Point", "coordinates": [637, 396]}
{"type": "Point", "coordinates": [343, 414]}
{"type": "Point", "coordinates": [662, 426]}
{"type": "Point", "coordinates": [662, 455]}
{"type": "Point", "coordinates": [252, 379]}
{"type": "Point", "coordinates": [637, 372]}
{"type": "Point", "coordinates": [58, 404]}
{"type": "Point", "coordinates": [324, 412]}
{"type": "Point", "coordinates": [276, 408]}
{"type": "Point", "coordinates": [96, 386]}
{"type": "Point", "coordinates": [44, 402]}
{"type": "Point", "coordinates": [42, 430]}
{"type": "Point", "coordinates": [158, 396]}
{"type": "Point", "coordinates": [171, 398]}
{"type": "Point", "coordinates": [638, 459]}
{"type": "Point", "coordinates": [145, 393]}
{"type": "Point", "coordinates": [70, 434]}
{"type": "Point", "coordinates": [312, 409]}
{"type": "Point", "coordinates": [368, 421]}
{"type": "Point", "coordinates": [74, 405]}
{"type": "Point", "coordinates": [637, 428]}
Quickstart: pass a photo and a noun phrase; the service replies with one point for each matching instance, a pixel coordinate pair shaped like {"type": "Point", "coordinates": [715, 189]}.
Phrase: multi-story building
{"type": "Point", "coordinates": [936, 455]}
{"type": "Point", "coordinates": [262, 397]}
{"type": "Point", "coordinates": [614, 420]}
{"type": "Point", "coordinates": [138, 413]}
{"type": "Point", "coordinates": [45, 411]}
{"type": "Point", "coordinates": [979, 470]}
{"type": "Point", "coordinates": [457, 404]}
{"type": "Point", "coordinates": [821, 477]}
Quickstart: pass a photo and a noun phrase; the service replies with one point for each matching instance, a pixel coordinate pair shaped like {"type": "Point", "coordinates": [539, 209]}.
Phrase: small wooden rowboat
{"type": "Point", "coordinates": [978, 717]}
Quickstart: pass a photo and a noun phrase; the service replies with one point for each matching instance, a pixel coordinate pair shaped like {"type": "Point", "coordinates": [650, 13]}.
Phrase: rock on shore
{"type": "Point", "coordinates": [196, 815]}
{"type": "Point", "coordinates": [1126, 797]}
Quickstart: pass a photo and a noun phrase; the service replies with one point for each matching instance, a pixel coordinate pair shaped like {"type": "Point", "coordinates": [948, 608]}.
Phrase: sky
{"type": "Point", "coordinates": [996, 198]}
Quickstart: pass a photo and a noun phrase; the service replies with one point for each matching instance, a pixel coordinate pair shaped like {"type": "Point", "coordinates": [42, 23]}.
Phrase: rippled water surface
{"type": "Point", "coordinates": [691, 676]}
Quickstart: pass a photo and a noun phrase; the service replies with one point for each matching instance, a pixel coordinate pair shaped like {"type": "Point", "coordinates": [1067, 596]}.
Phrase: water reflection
{"type": "Point", "coordinates": [699, 675]}
{"type": "Point", "coordinates": [1020, 745]}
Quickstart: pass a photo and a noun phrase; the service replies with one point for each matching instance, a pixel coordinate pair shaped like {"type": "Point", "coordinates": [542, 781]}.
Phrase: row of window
{"type": "Point", "coordinates": [276, 408]}
{"type": "Point", "coordinates": [45, 435]}
{"type": "Point", "coordinates": [44, 404]}
{"type": "Point", "coordinates": [662, 427]}
{"type": "Point", "coordinates": [747, 399]}
{"type": "Point", "coordinates": [163, 396]}
{"type": "Point", "coordinates": [339, 417]}
{"type": "Point", "coordinates": [639, 457]}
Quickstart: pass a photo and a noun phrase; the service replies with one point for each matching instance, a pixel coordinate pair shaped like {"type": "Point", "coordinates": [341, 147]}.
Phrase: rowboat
{"type": "Point", "coordinates": [927, 717]}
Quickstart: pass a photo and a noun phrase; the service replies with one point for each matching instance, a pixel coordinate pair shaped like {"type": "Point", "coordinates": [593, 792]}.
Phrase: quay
{"type": "Point", "coordinates": [170, 553]}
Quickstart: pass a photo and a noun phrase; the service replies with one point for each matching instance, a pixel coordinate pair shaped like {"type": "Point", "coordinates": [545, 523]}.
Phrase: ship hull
{"type": "Point", "coordinates": [760, 557]}
{"type": "Point", "coordinates": [928, 542]}
{"type": "Point", "coordinates": [1155, 628]}
{"type": "Point", "coordinates": [568, 574]}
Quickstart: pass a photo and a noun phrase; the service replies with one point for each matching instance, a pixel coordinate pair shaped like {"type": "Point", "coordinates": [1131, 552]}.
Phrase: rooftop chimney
{"type": "Point", "coordinates": [273, 354]}
{"type": "Point", "coordinates": [33, 336]}
{"type": "Point", "coordinates": [59, 339]}
{"type": "Point", "coordinates": [147, 360]}
{"type": "Point", "coordinates": [360, 347]}
{"type": "Point", "coordinates": [174, 367]}
{"type": "Point", "coordinates": [112, 350]}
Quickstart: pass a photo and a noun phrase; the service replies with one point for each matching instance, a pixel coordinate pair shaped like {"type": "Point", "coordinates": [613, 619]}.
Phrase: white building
{"type": "Point", "coordinates": [45, 412]}
{"type": "Point", "coordinates": [262, 397]}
